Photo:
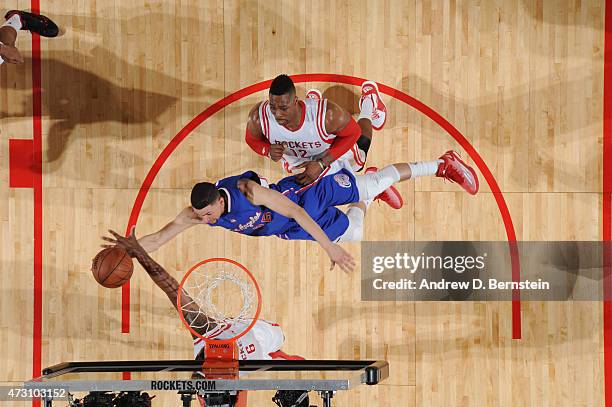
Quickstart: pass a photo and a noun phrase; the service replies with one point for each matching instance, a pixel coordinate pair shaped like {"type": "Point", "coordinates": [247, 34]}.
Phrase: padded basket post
{"type": "Point", "coordinates": [221, 360]}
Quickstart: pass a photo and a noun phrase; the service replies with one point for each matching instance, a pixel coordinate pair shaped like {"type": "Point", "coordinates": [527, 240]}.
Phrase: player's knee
{"type": "Point", "coordinates": [357, 234]}
{"type": "Point", "coordinates": [354, 232]}
{"type": "Point", "coordinates": [372, 184]}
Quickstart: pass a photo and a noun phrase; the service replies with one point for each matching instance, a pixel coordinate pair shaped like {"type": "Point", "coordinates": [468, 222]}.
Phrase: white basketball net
{"type": "Point", "coordinates": [223, 303]}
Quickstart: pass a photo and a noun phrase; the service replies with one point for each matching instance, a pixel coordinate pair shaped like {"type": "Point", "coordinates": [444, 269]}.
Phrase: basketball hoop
{"type": "Point", "coordinates": [219, 301]}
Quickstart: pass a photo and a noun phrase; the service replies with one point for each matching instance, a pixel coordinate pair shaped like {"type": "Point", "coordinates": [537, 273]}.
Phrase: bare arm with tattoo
{"type": "Point", "coordinates": [163, 279]}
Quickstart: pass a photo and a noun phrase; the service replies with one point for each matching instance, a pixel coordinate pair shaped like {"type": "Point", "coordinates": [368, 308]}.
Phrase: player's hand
{"type": "Point", "coordinates": [312, 170]}
{"type": "Point", "coordinates": [10, 54]}
{"type": "Point", "coordinates": [276, 152]}
{"type": "Point", "coordinates": [189, 216]}
{"type": "Point", "coordinates": [129, 244]}
{"type": "Point", "coordinates": [340, 257]}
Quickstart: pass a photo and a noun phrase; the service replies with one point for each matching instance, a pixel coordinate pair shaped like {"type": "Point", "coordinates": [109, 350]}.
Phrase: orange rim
{"type": "Point", "coordinates": [257, 290]}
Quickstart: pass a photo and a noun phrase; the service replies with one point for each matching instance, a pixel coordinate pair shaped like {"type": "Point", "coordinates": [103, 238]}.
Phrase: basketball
{"type": "Point", "coordinates": [112, 267]}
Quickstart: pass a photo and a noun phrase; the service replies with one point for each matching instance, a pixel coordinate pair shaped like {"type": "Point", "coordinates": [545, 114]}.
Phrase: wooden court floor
{"type": "Point", "coordinates": [522, 80]}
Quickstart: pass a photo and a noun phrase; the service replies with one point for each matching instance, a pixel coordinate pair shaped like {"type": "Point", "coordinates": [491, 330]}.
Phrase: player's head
{"type": "Point", "coordinates": [283, 100]}
{"type": "Point", "coordinates": [207, 202]}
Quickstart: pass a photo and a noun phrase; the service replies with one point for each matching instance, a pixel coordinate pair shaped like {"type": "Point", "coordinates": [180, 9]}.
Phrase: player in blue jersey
{"type": "Point", "coordinates": [241, 204]}
{"type": "Point", "coordinates": [246, 204]}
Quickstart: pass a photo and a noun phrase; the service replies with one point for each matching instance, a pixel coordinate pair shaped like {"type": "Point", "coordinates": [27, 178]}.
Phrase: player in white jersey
{"type": "Point", "coordinates": [310, 141]}
{"type": "Point", "coordinates": [315, 134]}
{"type": "Point", "coordinates": [262, 342]}
{"type": "Point", "coordinates": [22, 20]}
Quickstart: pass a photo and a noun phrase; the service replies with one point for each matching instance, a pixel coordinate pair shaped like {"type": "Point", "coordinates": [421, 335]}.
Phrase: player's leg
{"type": "Point", "coordinates": [35, 23]}
{"type": "Point", "coordinates": [449, 166]}
{"type": "Point", "coordinates": [330, 191]}
{"type": "Point", "coordinates": [372, 114]}
{"type": "Point", "coordinates": [332, 220]}
{"type": "Point", "coordinates": [372, 107]}
{"type": "Point", "coordinates": [391, 196]}
{"type": "Point", "coordinates": [8, 37]}
{"type": "Point", "coordinates": [8, 30]}
{"type": "Point", "coordinates": [356, 215]}
{"type": "Point", "coordinates": [319, 201]}
{"type": "Point", "coordinates": [22, 20]}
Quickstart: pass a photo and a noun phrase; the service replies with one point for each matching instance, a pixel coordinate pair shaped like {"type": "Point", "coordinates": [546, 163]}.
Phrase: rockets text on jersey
{"type": "Point", "coordinates": [307, 142]}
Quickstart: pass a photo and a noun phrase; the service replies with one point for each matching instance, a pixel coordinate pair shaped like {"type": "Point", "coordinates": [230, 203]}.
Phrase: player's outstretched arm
{"type": "Point", "coordinates": [277, 202]}
{"type": "Point", "coordinates": [158, 274]}
{"type": "Point", "coordinates": [184, 220]}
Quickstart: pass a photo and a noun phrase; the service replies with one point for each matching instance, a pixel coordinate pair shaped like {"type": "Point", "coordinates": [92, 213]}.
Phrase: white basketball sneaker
{"type": "Point", "coordinates": [314, 94]}
{"type": "Point", "coordinates": [369, 90]}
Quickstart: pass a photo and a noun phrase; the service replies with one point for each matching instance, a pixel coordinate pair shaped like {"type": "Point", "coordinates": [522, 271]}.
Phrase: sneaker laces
{"type": "Point", "coordinates": [387, 193]}
{"type": "Point", "coordinates": [368, 89]}
{"type": "Point", "coordinates": [375, 110]}
{"type": "Point", "coordinates": [449, 171]}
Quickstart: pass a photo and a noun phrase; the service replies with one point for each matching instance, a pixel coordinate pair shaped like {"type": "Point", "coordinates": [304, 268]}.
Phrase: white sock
{"type": "Point", "coordinates": [367, 108]}
{"type": "Point", "coordinates": [13, 22]}
{"type": "Point", "coordinates": [1, 60]}
{"type": "Point", "coordinates": [424, 168]}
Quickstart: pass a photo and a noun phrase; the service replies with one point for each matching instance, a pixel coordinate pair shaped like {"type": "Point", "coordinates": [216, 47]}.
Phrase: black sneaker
{"type": "Point", "coordinates": [35, 23]}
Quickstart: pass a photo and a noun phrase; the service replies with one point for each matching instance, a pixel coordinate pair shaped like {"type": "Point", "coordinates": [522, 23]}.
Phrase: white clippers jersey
{"type": "Point", "coordinates": [310, 141]}
{"type": "Point", "coordinates": [264, 338]}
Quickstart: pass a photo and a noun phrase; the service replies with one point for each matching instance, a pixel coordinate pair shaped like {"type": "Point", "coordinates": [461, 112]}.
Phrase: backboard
{"type": "Point", "coordinates": [184, 377]}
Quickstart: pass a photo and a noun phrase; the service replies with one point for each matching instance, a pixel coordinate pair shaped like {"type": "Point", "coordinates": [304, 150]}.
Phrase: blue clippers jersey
{"type": "Point", "coordinates": [244, 217]}
{"type": "Point", "coordinates": [318, 200]}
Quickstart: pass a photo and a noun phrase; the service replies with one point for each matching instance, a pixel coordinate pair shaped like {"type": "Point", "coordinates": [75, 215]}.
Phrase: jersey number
{"type": "Point", "coordinates": [299, 153]}
{"type": "Point", "coordinates": [250, 349]}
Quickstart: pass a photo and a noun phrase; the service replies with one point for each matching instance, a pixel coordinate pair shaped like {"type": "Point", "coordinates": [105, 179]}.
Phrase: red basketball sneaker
{"type": "Point", "coordinates": [390, 196]}
{"type": "Point", "coordinates": [455, 170]}
{"type": "Point", "coordinates": [314, 94]}
{"type": "Point", "coordinates": [369, 90]}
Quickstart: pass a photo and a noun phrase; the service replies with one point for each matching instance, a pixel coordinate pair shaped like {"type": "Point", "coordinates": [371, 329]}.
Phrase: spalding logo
{"type": "Point", "coordinates": [343, 180]}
